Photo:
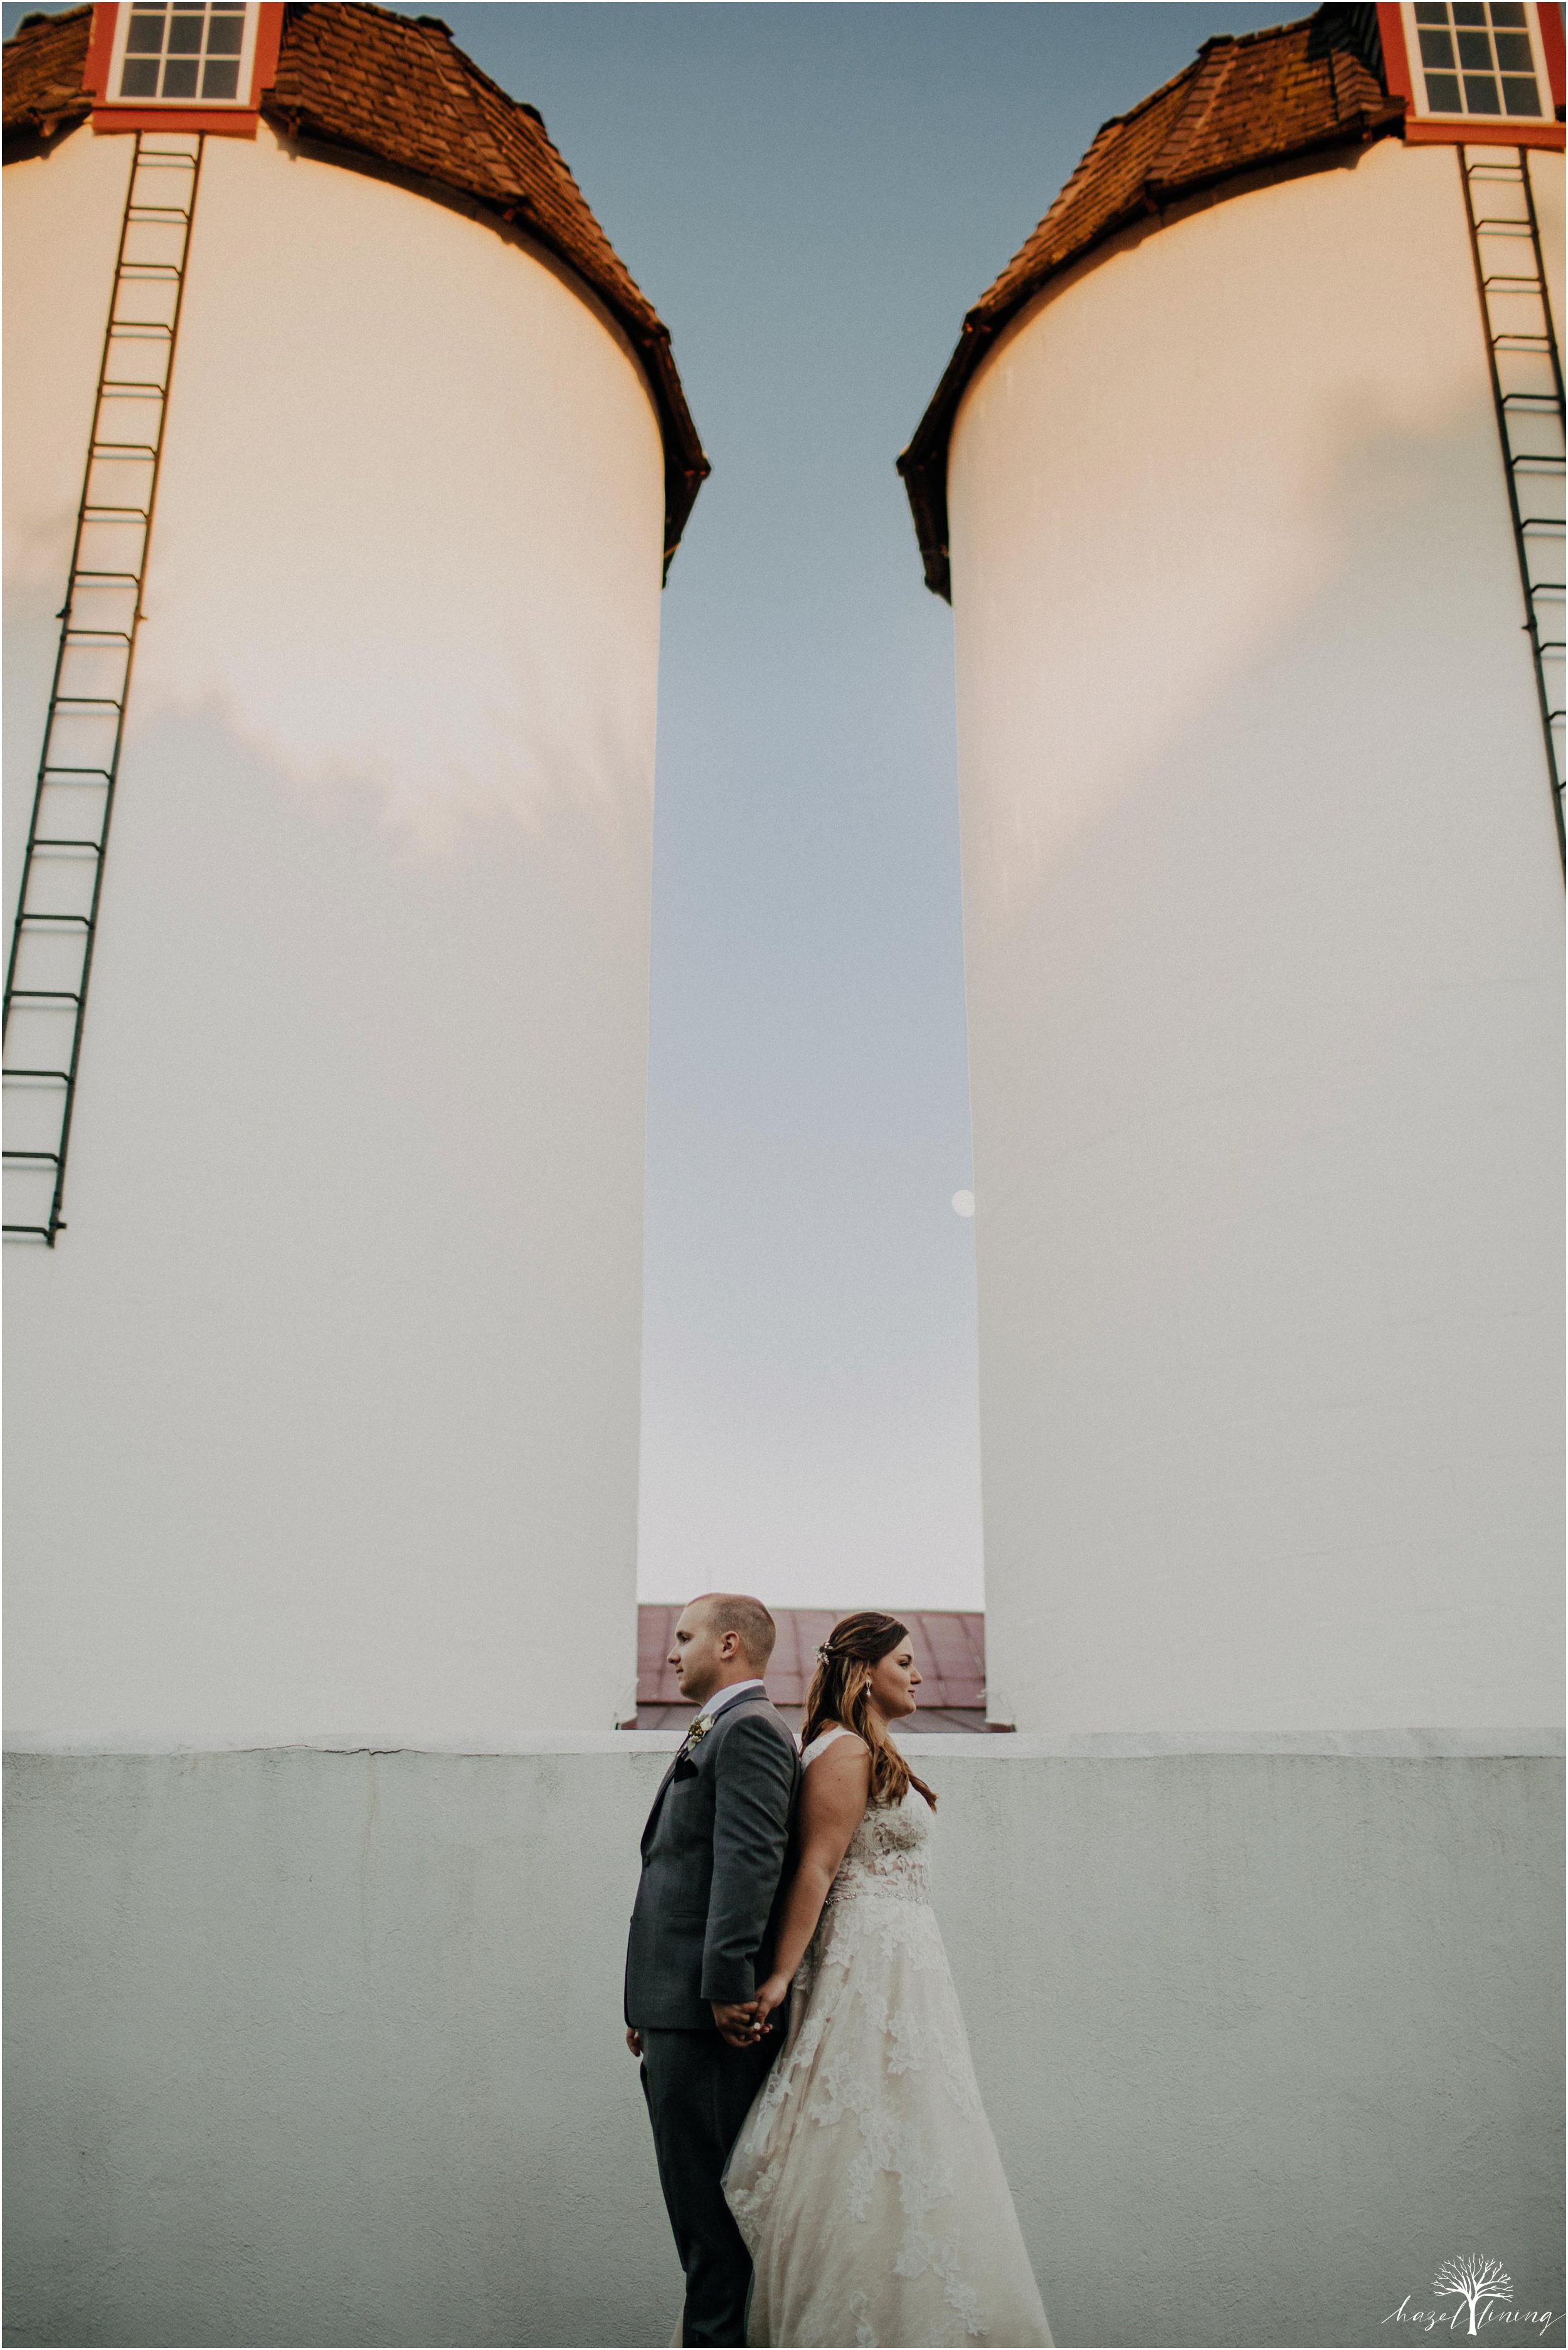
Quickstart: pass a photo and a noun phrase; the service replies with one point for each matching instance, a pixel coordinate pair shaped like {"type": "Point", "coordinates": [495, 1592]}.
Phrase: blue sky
{"type": "Point", "coordinates": [813, 196]}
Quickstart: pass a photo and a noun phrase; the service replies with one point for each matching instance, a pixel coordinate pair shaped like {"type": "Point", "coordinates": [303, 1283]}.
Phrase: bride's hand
{"type": "Point", "coordinates": [769, 1995]}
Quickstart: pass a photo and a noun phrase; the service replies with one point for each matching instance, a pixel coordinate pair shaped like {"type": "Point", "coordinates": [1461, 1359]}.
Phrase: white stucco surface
{"type": "Point", "coordinates": [316, 2048]}
{"type": "Point", "coordinates": [328, 1396]}
{"type": "Point", "coordinates": [1546, 187]}
{"type": "Point", "coordinates": [1262, 913]}
{"type": "Point", "coordinates": [70, 202]}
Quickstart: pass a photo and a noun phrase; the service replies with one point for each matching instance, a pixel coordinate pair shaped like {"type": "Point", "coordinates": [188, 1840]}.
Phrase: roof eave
{"type": "Point", "coordinates": [686, 467]}
{"type": "Point", "coordinates": [58, 105]}
{"type": "Point", "coordinates": [923, 465]}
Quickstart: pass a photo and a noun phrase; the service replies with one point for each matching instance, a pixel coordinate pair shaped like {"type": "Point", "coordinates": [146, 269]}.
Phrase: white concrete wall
{"type": "Point", "coordinates": [1262, 916]}
{"type": "Point", "coordinates": [325, 2048]}
{"type": "Point", "coordinates": [328, 1398]}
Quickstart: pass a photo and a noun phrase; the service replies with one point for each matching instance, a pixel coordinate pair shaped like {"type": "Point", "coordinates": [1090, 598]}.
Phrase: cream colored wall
{"type": "Point", "coordinates": [324, 1412]}
{"type": "Point", "coordinates": [1262, 913]}
{"type": "Point", "coordinates": [1546, 185]}
{"type": "Point", "coordinates": [70, 202]}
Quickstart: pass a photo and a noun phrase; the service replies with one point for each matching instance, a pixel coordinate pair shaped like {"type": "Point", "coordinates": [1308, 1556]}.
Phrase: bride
{"type": "Point", "coordinates": [865, 2179]}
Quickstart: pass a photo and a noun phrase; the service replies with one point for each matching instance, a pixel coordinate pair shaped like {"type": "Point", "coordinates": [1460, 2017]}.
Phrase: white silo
{"type": "Point", "coordinates": [324, 1334]}
{"type": "Point", "coordinates": [1245, 481]}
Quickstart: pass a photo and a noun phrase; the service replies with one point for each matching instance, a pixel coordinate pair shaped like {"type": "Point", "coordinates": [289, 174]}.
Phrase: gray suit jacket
{"type": "Point", "coordinates": [707, 1909]}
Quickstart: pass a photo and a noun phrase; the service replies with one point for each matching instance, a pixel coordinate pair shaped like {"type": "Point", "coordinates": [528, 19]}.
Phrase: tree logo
{"type": "Point", "coordinates": [1480, 2287]}
{"type": "Point", "coordinates": [1476, 2281]}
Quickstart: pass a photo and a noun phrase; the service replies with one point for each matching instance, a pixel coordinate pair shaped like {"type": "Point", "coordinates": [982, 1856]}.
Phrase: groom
{"type": "Point", "coordinates": [702, 1940]}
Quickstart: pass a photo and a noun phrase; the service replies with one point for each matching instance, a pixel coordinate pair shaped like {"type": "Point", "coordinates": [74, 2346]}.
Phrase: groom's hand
{"type": "Point", "coordinates": [634, 2040]}
{"type": "Point", "coordinates": [736, 2019]}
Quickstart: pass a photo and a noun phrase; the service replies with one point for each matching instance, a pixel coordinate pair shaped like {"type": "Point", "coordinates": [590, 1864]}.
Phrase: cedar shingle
{"type": "Point", "coordinates": [44, 62]}
{"type": "Point", "coordinates": [1247, 100]}
{"type": "Point", "coordinates": [400, 90]}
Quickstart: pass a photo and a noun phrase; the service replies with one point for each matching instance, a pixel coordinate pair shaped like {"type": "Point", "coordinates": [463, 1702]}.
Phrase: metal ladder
{"type": "Point", "coordinates": [1527, 385]}
{"type": "Point", "coordinates": [67, 838]}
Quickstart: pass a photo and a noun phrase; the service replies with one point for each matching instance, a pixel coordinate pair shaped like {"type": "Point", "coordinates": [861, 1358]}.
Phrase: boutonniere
{"type": "Point", "coordinates": [700, 1728]}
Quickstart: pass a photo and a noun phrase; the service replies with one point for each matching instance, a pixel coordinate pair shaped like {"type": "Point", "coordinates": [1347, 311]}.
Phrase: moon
{"type": "Point", "coordinates": [963, 1203]}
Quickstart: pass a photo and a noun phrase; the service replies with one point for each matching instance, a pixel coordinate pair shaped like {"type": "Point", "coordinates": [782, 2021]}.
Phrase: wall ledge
{"type": "Point", "coordinates": [1084, 1746]}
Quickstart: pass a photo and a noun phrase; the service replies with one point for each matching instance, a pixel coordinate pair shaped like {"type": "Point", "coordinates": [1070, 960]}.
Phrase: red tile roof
{"type": "Point", "coordinates": [397, 89]}
{"type": "Point", "coordinates": [950, 1655]}
{"type": "Point", "coordinates": [1247, 100]}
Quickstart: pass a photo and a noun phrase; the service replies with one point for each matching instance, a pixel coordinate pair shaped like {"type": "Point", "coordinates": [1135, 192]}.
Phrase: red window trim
{"type": "Point", "coordinates": [1471, 132]}
{"type": "Point", "coordinates": [232, 121]}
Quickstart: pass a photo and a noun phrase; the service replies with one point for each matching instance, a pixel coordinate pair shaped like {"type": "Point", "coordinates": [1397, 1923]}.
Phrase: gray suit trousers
{"type": "Point", "coordinates": [699, 2091]}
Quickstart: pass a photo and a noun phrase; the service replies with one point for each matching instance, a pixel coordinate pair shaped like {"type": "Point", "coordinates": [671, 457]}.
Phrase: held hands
{"type": "Point", "coordinates": [743, 2021]}
{"type": "Point", "coordinates": [772, 1994]}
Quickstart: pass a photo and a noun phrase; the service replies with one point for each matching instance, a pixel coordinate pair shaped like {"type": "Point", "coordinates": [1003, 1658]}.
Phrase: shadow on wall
{"type": "Point", "coordinates": [1260, 1169]}
{"type": "Point", "coordinates": [356, 1187]}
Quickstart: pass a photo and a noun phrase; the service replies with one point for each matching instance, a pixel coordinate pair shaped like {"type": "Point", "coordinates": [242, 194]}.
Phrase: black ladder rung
{"type": "Point", "coordinates": [102, 774]}
{"type": "Point", "coordinates": [83, 921]}
{"type": "Point", "coordinates": [52, 1155]}
{"type": "Point", "coordinates": [50, 994]}
{"type": "Point", "coordinates": [41, 840]}
{"type": "Point", "coordinates": [85, 701]}
{"type": "Point", "coordinates": [61, 1077]}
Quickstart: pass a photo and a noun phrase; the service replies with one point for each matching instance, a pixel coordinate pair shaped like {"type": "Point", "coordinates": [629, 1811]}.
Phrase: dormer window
{"type": "Point", "coordinates": [183, 53]}
{"type": "Point", "coordinates": [1477, 60]}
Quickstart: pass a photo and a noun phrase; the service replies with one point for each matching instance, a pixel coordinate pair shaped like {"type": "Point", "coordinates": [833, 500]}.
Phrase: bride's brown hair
{"type": "Point", "coordinates": [838, 1693]}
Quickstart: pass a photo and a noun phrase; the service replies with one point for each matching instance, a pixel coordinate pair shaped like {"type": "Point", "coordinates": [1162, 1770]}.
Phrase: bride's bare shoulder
{"type": "Point", "coordinates": [839, 1751]}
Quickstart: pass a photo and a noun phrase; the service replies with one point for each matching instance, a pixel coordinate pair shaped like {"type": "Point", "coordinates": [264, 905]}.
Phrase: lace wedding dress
{"type": "Point", "coordinates": [866, 2180]}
